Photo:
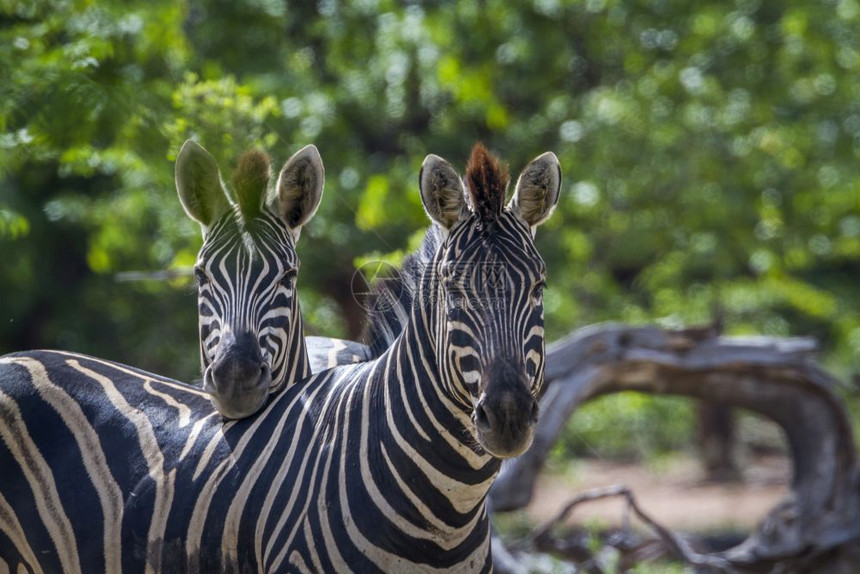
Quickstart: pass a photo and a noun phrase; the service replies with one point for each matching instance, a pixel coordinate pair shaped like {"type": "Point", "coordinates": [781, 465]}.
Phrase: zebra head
{"type": "Point", "coordinates": [251, 337]}
{"type": "Point", "coordinates": [490, 336]}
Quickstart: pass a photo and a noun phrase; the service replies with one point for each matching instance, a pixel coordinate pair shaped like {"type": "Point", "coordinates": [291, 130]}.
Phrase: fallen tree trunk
{"type": "Point", "coordinates": [775, 377]}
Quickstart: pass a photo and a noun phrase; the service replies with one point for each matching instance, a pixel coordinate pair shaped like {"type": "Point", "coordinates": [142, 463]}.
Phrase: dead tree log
{"type": "Point", "coordinates": [716, 441]}
{"type": "Point", "coordinates": [775, 377]}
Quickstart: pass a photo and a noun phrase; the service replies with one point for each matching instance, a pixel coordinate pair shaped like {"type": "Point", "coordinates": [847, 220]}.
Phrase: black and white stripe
{"type": "Point", "coordinates": [246, 282]}
{"type": "Point", "coordinates": [381, 466]}
{"type": "Point", "coordinates": [251, 334]}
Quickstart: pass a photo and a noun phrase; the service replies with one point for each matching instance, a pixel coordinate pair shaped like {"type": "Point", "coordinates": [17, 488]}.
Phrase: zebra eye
{"type": "Point", "coordinates": [537, 294]}
{"type": "Point", "coordinates": [288, 278]}
{"type": "Point", "coordinates": [201, 276]}
{"type": "Point", "coordinates": [456, 301]}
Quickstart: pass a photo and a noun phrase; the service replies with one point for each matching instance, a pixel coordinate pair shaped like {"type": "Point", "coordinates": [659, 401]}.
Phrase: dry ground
{"type": "Point", "coordinates": [673, 493]}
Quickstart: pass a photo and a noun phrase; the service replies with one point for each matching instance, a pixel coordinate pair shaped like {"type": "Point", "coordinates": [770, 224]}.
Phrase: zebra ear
{"type": "Point", "coordinates": [537, 190]}
{"type": "Point", "coordinates": [300, 189]}
{"type": "Point", "coordinates": [198, 183]}
{"type": "Point", "coordinates": [442, 191]}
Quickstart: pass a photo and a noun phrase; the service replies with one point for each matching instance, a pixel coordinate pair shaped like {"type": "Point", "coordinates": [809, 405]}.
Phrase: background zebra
{"type": "Point", "coordinates": [249, 318]}
{"type": "Point", "coordinates": [380, 466]}
{"type": "Point", "coordinates": [251, 335]}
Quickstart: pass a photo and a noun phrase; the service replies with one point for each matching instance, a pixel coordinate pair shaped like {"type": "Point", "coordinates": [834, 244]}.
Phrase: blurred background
{"type": "Point", "coordinates": [711, 155]}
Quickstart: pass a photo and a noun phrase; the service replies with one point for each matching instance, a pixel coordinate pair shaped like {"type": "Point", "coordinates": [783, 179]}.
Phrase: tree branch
{"type": "Point", "coordinates": [541, 537]}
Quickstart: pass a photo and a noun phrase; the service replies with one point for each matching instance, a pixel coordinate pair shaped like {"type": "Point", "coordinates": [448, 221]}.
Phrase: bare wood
{"type": "Point", "coordinates": [775, 377]}
{"type": "Point", "coordinates": [677, 545]}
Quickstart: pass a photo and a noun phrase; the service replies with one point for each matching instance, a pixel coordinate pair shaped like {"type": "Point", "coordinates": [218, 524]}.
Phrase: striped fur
{"type": "Point", "coordinates": [375, 467]}
{"type": "Point", "coordinates": [251, 334]}
{"type": "Point", "coordinates": [246, 278]}
{"type": "Point", "coordinates": [326, 353]}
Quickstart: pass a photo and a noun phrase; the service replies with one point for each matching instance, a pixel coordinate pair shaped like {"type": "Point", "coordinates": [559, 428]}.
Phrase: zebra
{"type": "Point", "coordinates": [328, 352]}
{"type": "Point", "coordinates": [250, 329]}
{"type": "Point", "coordinates": [378, 466]}
{"type": "Point", "coordinates": [251, 334]}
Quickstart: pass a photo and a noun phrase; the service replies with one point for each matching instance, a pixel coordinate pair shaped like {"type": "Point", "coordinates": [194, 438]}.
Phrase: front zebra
{"type": "Point", "coordinates": [381, 466]}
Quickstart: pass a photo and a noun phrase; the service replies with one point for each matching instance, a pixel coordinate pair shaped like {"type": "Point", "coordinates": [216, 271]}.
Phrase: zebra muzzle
{"type": "Point", "coordinates": [238, 380]}
{"type": "Point", "coordinates": [506, 414]}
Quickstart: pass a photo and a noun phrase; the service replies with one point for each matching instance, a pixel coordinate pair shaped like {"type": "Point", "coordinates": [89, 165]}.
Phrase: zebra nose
{"type": "Point", "coordinates": [239, 378]}
{"type": "Point", "coordinates": [507, 414]}
{"type": "Point", "coordinates": [238, 371]}
{"type": "Point", "coordinates": [505, 420]}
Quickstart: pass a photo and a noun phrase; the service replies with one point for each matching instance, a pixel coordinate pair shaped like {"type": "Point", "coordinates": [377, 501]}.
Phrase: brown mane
{"type": "Point", "coordinates": [487, 180]}
{"type": "Point", "coordinates": [250, 181]}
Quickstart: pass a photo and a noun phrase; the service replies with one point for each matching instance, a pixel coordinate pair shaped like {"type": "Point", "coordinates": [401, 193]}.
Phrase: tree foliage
{"type": "Point", "coordinates": [710, 154]}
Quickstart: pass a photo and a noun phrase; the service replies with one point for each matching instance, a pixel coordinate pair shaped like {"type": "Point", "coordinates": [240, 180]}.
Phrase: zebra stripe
{"type": "Point", "coordinates": [152, 455]}
{"type": "Point", "coordinates": [109, 494]}
{"type": "Point", "coordinates": [13, 431]}
{"type": "Point", "coordinates": [11, 528]}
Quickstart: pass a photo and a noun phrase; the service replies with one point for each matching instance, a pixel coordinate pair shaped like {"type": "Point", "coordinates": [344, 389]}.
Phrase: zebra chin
{"type": "Point", "coordinates": [505, 446]}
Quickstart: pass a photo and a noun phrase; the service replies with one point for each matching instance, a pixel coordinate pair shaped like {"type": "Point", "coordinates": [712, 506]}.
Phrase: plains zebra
{"type": "Point", "coordinates": [251, 335]}
{"type": "Point", "coordinates": [379, 466]}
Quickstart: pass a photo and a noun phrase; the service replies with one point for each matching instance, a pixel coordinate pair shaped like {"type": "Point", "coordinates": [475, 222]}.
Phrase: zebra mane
{"type": "Point", "coordinates": [391, 300]}
{"type": "Point", "coordinates": [487, 181]}
{"type": "Point", "coordinates": [250, 180]}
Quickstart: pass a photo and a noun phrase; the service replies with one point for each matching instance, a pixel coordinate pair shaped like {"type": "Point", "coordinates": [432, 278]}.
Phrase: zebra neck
{"type": "Point", "coordinates": [431, 432]}
{"type": "Point", "coordinates": [296, 363]}
{"type": "Point", "coordinates": [301, 366]}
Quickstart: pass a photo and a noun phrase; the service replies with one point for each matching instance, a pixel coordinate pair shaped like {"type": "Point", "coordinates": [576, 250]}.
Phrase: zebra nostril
{"type": "Point", "coordinates": [535, 412]}
{"type": "Point", "coordinates": [482, 421]}
{"type": "Point", "coordinates": [264, 374]}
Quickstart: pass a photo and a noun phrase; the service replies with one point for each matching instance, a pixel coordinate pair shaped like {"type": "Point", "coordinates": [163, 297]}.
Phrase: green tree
{"type": "Point", "coordinates": [709, 151]}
